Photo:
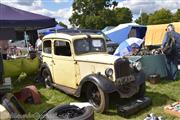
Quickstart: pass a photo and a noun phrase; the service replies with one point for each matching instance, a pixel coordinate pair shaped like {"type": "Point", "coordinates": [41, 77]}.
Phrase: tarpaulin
{"type": "Point", "coordinates": [156, 33]}
{"type": "Point", "coordinates": [154, 64]}
{"type": "Point", "coordinates": [15, 18]}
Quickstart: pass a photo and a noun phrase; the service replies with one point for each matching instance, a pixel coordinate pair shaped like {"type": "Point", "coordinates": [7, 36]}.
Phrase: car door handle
{"type": "Point", "coordinates": [53, 62]}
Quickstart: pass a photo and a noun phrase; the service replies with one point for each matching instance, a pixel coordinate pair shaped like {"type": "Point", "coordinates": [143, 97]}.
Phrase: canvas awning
{"type": "Point", "coordinates": [155, 33]}
{"type": "Point", "coordinates": [22, 20]}
{"type": "Point", "coordinates": [124, 31]}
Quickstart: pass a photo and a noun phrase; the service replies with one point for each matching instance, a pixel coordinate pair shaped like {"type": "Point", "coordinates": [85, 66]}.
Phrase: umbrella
{"type": "Point", "coordinates": [121, 32]}
{"type": "Point", "coordinates": [125, 47]}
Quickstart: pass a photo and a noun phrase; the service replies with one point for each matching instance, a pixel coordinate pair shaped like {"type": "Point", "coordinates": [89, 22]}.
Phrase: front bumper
{"type": "Point", "coordinates": [130, 89]}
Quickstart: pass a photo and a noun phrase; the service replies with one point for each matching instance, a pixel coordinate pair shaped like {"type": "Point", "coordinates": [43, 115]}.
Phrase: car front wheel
{"type": "Point", "coordinates": [97, 98]}
{"type": "Point", "coordinates": [142, 90]}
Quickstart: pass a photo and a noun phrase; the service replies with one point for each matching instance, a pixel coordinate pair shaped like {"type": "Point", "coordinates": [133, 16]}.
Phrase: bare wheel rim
{"type": "Point", "coordinates": [94, 96]}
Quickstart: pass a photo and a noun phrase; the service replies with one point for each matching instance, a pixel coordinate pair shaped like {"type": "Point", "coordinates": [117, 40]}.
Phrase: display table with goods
{"type": "Point", "coordinates": [152, 64]}
{"type": "Point", "coordinates": [173, 109]}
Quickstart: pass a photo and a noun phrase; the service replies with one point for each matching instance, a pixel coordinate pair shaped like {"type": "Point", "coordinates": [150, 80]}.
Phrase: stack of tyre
{"type": "Point", "coordinates": [68, 112]}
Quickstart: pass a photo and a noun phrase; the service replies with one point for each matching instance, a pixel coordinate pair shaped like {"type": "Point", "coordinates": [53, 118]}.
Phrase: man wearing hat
{"type": "Point", "coordinates": [170, 46]}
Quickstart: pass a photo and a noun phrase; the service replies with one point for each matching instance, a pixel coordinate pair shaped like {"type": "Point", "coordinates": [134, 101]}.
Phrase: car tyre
{"type": "Point", "coordinates": [98, 98]}
{"type": "Point", "coordinates": [47, 79]}
{"type": "Point", "coordinates": [68, 112]}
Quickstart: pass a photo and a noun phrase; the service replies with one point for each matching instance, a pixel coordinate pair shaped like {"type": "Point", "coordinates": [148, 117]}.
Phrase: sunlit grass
{"type": "Point", "coordinates": [161, 94]}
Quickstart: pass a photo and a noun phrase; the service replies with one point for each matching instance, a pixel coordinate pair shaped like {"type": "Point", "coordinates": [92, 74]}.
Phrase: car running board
{"type": "Point", "coordinates": [133, 107]}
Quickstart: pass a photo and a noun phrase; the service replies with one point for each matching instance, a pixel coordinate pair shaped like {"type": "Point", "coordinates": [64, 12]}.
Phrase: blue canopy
{"type": "Point", "coordinates": [51, 30]}
{"type": "Point", "coordinates": [15, 18]}
{"type": "Point", "coordinates": [121, 32]}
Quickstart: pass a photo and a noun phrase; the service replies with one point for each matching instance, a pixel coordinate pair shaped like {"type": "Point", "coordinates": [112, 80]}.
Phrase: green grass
{"type": "Point", "coordinates": [161, 94]}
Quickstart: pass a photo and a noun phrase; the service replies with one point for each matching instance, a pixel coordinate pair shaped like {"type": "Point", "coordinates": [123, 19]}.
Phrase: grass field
{"type": "Point", "coordinates": [161, 94]}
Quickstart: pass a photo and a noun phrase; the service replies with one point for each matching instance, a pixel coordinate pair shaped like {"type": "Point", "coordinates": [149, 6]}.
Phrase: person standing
{"type": "Point", "coordinates": [39, 43]}
{"type": "Point", "coordinates": [4, 48]}
{"type": "Point", "coordinates": [170, 46]}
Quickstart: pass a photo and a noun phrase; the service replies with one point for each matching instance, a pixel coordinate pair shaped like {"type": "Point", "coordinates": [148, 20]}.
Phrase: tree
{"type": "Point", "coordinates": [95, 14]}
{"type": "Point", "coordinates": [123, 15]}
{"type": "Point", "coordinates": [161, 16]}
{"type": "Point", "coordinates": [176, 16]}
{"type": "Point", "coordinates": [85, 12]}
{"type": "Point", "coordinates": [143, 19]}
{"type": "Point", "coordinates": [114, 4]}
{"type": "Point", "coordinates": [62, 24]}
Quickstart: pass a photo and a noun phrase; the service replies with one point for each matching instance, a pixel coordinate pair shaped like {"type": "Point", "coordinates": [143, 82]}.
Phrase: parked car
{"type": "Point", "coordinates": [111, 46]}
{"type": "Point", "coordinates": [78, 64]}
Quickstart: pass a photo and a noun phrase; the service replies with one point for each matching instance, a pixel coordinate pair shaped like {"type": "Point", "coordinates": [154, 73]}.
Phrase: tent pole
{"type": "Point", "coordinates": [26, 40]}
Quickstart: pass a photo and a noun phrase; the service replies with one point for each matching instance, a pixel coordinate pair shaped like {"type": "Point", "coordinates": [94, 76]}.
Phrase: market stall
{"type": "Point", "coordinates": [155, 33]}
{"type": "Point", "coordinates": [11, 20]}
{"type": "Point", "coordinates": [152, 64]}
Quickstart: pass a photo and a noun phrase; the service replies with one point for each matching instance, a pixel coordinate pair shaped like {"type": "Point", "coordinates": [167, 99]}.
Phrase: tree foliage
{"type": "Point", "coordinates": [63, 25]}
{"type": "Point", "coordinates": [161, 16]}
{"type": "Point", "coordinates": [123, 15]}
{"type": "Point", "coordinates": [143, 19]}
{"type": "Point", "coordinates": [176, 16]}
{"type": "Point", "coordinates": [95, 14]}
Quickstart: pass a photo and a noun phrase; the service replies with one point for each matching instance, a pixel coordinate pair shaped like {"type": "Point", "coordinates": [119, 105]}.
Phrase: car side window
{"type": "Point", "coordinates": [47, 46]}
{"type": "Point", "coordinates": [62, 48]}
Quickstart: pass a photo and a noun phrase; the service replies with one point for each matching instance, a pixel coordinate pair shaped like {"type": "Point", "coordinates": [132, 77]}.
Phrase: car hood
{"type": "Point", "coordinates": [97, 58]}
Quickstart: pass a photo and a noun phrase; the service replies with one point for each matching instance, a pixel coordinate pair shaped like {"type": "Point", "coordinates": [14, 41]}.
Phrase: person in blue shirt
{"type": "Point", "coordinates": [172, 42]}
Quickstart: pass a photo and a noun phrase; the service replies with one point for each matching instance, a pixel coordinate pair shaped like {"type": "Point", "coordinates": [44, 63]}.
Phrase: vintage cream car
{"type": "Point", "coordinates": [78, 64]}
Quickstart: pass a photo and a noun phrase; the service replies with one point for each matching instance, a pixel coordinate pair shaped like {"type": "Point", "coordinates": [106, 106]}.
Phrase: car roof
{"type": "Point", "coordinates": [72, 35]}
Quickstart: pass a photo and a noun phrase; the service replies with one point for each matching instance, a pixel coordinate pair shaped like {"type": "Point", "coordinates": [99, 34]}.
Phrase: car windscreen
{"type": "Point", "coordinates": [89, 45]}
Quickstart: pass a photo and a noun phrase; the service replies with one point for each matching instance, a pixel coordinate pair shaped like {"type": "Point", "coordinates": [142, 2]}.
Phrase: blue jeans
{"type": "Point", "coordinates": [172, 67]}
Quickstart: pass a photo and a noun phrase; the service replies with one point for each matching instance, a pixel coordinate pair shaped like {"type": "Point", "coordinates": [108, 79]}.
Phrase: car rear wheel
{"type": "Point", "coordinates": [97, 98]}
{"type": "Point", "coordinates": [46, 75]}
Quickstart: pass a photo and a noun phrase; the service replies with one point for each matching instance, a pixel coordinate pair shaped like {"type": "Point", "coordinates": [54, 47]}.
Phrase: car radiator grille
{"type": "Point", "coordinates": [124, 79]}
{"type": "Point", "coordinates": [122, 68]}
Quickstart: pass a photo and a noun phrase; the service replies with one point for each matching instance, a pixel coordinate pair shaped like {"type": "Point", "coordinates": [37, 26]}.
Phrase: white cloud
{"type": "Point", "coordinates": [58, 1]}
{"type": "Point", "coordinates": [149, 6]}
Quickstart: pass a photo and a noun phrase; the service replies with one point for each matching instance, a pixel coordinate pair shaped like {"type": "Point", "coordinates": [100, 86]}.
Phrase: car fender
{"type": "Point", "coordinates": [99, 80]}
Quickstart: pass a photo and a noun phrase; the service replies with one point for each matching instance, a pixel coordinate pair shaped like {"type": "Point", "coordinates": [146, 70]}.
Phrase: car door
{"type": "Point", "coordinates": [63, 64]}
{"type": "Point", "coordinates": [47, 54]}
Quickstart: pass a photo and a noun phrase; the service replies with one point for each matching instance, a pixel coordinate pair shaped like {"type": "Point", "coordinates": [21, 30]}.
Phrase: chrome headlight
{"type": "Point", "coordinates": [138, 65]}
{"type": "Point", "coordinates": [109, 72]}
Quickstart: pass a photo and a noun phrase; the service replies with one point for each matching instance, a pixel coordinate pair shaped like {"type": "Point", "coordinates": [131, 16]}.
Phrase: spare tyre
{"type": "Point", "coordinates": [68, 112]}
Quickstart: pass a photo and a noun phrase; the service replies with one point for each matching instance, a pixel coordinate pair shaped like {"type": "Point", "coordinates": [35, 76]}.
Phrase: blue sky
{"type": "Point", "coordinates": [57, 5]}
{"type": "Point", "coordinates": [62, 9]}
{"type": "Point", "coordinates": [64, 4]}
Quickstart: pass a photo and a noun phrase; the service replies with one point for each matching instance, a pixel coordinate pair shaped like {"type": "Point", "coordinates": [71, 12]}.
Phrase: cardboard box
{"type": "Point", "coordinates": [173, 109]}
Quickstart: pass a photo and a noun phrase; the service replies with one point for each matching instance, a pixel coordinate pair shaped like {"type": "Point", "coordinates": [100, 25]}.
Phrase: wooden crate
{"type": "Point", "coordinates": [154, 79]}
{"type": "Point", "coordinates": [171, 109]}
